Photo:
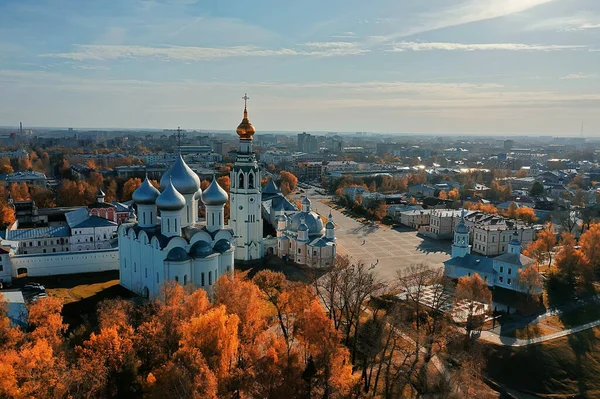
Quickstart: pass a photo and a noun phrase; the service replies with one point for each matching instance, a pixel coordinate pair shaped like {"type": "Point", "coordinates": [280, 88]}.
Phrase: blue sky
{"type": "Point", "coordinates": [410, 66]}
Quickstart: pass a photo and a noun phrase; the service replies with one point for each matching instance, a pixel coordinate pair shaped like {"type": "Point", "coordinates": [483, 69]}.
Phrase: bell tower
{"type": "Point", "coordinates": [245, 202]}
{"type": "Point", "coordinates": [460, 245]}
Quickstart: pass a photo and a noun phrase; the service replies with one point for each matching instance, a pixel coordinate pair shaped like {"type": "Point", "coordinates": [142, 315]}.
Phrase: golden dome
{"type": "Point", "coordinates": [245, 129]}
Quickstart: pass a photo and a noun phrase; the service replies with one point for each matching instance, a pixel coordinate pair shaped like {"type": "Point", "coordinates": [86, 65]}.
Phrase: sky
{"type": "Point", "coordinates": [412, 66]}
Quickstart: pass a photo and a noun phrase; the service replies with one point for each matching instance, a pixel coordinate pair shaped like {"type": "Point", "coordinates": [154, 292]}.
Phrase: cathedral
{"type": "Point", "coordinates": [170, 242]}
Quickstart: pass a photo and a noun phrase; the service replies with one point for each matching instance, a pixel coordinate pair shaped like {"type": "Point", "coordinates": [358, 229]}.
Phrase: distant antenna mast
{"type": "Point", "coordinates": [180, 135]}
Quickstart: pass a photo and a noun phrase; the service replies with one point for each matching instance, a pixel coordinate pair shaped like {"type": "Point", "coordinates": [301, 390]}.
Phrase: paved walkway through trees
{"type": "Point", "coordinates": [516, 342]}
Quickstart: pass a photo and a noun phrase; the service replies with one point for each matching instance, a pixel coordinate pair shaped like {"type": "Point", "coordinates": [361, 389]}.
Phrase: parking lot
{"type": "Point", "coordinates": [387, 249]}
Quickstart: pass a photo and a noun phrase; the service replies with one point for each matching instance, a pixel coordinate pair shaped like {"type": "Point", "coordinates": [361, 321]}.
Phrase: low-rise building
{"type": "Point", "coordinates": [354, 192]}
{"type": "Point", "coordinates": [493, 239]}
{"type": "Point", "coordinates": [395, 211]}
{"type": "Point", "coordinates": [421, 190]}
{"type": "Point", "coordinates": [442, 222]}
{"type": "Point", "coordinates": [30, 177]}
{"type": "Point", "coordinates": [501, 271]}
{"type": "Point", "coordinates": [415, 218]}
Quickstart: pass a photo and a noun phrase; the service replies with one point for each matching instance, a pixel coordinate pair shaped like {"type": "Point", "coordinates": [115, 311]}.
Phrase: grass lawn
{"type": "Point", "coordinates": [567, 367]}
{"type": "Point", "coordinates": [82, 291]}
{"type": "Point", "coordinates": [574, 318]}
{"type": "Point", "coordinates": [531, 331]}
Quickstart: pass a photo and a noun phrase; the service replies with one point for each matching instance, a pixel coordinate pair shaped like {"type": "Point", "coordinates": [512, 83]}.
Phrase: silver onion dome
{"type": "Point", "coordinates": [311, 219]}
{"type": "Point", "coordinates": [184, 179]}
{"type": "Point", "coordinates": [214, 194]}
{"type": "Point", "coordinates": [170, 199]}
{"type": "Point", "coordinates": [145, 194]}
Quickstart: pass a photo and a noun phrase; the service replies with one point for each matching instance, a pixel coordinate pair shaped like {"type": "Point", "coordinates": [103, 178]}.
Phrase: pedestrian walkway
{"type": "Point", "coordinates": [516, 342]}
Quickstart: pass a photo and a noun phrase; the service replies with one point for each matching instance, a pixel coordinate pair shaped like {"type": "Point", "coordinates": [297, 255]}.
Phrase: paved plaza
{"type": "Point", "coordinates": [387, 249]}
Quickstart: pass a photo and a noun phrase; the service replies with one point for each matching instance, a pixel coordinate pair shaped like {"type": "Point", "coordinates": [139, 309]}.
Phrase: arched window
{"type": "Point", "coordinates": [241, 185]}
{"type": "Point", "coordinates": [251, 180]}
{"type": "Point", "coordinates": [157, 277]}
{"type": "Point", "coordinates": [185, 279]}
{"type": "Point", "coordinates": [168, 225]}
{"type": "Point", "coordinates": [176, 279]}
{"type": "Point", "coordinates": [209, 278]}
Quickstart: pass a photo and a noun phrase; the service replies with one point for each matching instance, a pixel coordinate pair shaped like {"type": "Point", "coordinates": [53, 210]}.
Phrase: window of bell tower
{"type": "Point", "coordinates": [241, 185]}
{"type": "Point", "coordinates": [251, 180]}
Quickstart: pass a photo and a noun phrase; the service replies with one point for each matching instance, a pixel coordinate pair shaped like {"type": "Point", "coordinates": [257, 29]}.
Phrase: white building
{"type": "Point", "coordinates": [275, 157]}
{"type": "Point", "coordinates": [501, 271]}
{"type": "Point", "coordinates": [442, 222]}
{"type": "Point", "coordinates": [168, 243]}
{"type": "Point", "coordinates": [492, 240]}
{"type": "Point", "coordinates": [415, 218]}
{"type": "Point", "coordinates": [300, 237]}
{"type": "Point", "coordinates": [83, 244]}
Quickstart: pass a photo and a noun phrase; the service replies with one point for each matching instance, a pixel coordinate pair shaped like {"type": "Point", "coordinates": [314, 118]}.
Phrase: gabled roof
{"type": "Point", "coordinates": [270, 188]}
{"type": "Point", "coordinates": [94, 221]}
{"type": "Point", "coordinates": [514, 259]}
{"type": "Point", "coordinates": [476, 263]}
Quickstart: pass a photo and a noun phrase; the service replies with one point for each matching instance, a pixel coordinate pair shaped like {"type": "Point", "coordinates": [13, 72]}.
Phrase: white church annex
{"type": "Point", "coordinates": [169, 242]}
{"type": "Point", "coordinates": [500, 271]}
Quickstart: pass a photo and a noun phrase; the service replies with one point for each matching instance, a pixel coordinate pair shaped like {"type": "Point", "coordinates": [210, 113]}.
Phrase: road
{"type": "Point", "coordinates": [387, 249]}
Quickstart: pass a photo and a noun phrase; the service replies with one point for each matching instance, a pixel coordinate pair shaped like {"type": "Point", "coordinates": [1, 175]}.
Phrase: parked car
{"type": "Point", "coordinates": [33, 287]}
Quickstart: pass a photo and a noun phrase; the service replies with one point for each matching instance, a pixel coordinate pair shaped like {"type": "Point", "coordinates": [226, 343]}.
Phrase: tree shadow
{"type": "Point", "coordinates": [68, 281]}
{"type": "Point", "coordinates": [428, 246]}
{"type": "Point", "coordinates": [77, 312]}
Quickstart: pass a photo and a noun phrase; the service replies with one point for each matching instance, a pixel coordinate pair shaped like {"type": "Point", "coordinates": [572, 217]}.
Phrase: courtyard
{"type": "Point", "coordinates": [384, 248]}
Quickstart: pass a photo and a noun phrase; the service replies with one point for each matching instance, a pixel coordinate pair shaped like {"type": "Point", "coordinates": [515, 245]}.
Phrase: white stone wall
{"type": "Point", "coordinates": [66, 262]}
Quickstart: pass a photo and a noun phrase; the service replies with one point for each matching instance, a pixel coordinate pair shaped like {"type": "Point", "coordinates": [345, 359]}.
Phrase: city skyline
{"type": "Point", "coordinates": [465, 67]}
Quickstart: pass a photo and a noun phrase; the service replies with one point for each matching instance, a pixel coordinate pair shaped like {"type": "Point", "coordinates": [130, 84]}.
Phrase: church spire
{"type": "Point", "coordinates": [245, 129]}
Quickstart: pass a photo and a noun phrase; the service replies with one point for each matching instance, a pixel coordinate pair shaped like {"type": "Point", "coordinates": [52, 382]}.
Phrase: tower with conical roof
{"type": "Point", "coordinates": [245, 201]}
{"type": "Point", "coordinates": [514, 246]}
{"type": "Point", "coordinates": [460, 245]}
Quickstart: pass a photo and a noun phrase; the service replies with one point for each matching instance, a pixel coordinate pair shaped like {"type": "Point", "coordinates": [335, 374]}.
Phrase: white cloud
{"type": "Point", "coordinates": [580, 76]}
{"type": "Point", "coordinates": [428, 46]}
{"type": "Point", "coordinates": [579, 22]}
{"type": "Point", "coordinates": [467, 12]}
{"type": "Point", "coordinates": [324, 45]}
{"type": "Point", "coordinates": [188, 53]}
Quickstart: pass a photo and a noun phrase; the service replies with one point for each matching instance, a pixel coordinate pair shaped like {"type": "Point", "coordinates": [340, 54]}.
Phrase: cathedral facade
{"type": "Point", "coordinates": [169, 242]}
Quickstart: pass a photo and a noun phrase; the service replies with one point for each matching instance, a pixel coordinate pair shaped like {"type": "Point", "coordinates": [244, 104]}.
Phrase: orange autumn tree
{"type": "Point", "coordinates": [485, 208]}
{"type": "Point", "coordinates": [571, 263]}
{"type": "Point", "coordinates": [590, 247]}
{"type": "Point", "coordinates": [288, 182]}
{"type": "Point", "coordinates": [475, 294]}
{"type": "Point", "coordinates": [129, 187]}
{"type": "Point", "coordinates": [526, 214]}
{"type": "Point", "coordinates": [180, 344]}
{"type": "Point", "coordinates": [531, 280]}
{"type": "Point", "coordinates": [443, 195]}
{"type": "Point", "coordinates": [541, 249]}
{"type": "Point", "coordinates": [7, 212]}
{"type": "Point", "coordinates": [453, 194]}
